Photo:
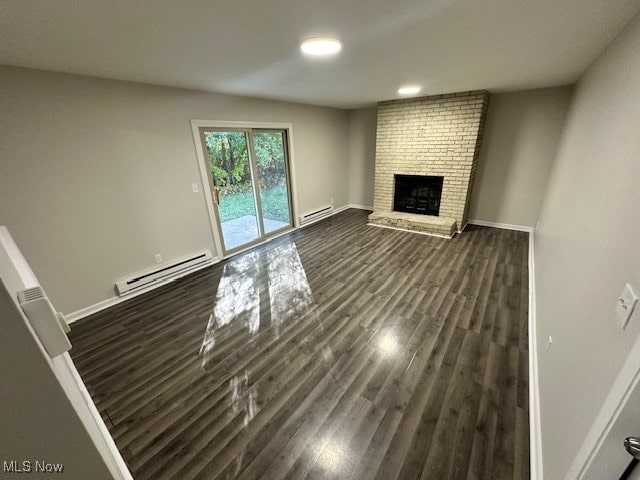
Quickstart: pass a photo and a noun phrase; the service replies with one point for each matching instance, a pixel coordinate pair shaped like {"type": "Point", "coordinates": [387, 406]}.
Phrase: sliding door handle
{"type": "Point", "coordinates": [632, 445]}
{"type": "Point", "coordinates": [216, 195]}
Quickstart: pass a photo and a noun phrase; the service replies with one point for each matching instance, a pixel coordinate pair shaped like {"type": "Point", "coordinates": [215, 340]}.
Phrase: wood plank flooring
{"type": "Point", "coordinates": [338, 351]}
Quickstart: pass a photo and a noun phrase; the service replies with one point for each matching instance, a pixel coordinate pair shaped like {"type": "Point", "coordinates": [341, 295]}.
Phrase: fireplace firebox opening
{"type": "Point", "coordinates": [417, 194]}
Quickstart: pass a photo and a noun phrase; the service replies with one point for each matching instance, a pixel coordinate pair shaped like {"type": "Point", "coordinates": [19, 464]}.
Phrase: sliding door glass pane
{"type": "Point", "coordinates": [270, 151]}
{"type": "Point", "coordinates": [228, 154]}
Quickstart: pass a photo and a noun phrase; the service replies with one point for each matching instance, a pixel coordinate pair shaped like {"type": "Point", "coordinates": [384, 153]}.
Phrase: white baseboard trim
{"type": "Point", "coordinates": [535, 429]}
{"type": "Point", "coordinates": [95, 308]}
{"type": "Point", "coordinates": [617, 398]}
{"type": "Point", "coordinates": [411, 231]}
{"type": "Point", "coordinates": [360, 207]}
{"type": "Point", "coordinates": [504, 226]}
{"type": "Point", "coordinates": [110, 302]}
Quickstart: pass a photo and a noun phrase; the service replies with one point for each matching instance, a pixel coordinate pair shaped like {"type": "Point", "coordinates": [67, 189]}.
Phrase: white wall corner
{"type": "Point", "coordinates": [535, 430]}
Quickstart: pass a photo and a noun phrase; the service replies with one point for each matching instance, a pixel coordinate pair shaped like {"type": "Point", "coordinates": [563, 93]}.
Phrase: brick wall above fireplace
{"type": "Point", "coordinates": [436, 136]}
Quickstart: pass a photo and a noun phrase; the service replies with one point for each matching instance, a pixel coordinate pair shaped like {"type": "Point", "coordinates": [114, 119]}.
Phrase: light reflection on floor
{"type": "Point", "coordinates": [289, 289]}
{"type": "Point", "coordinates": [237, 297]}
{"type": "Point", "coordinates": [209, 341]}
{"type": "Point", "coordinates": [243, 397]}
{"type": "Point", "coordinates": [263, 293]}
{"type": "Point", "coordinates": [249, 282]}
{"type": "Point", "coordinates": [331, 457]}
{"type": "Point", "coordinates": [388, 343]}
{"type": "Point", "coordinates": [252, 280]}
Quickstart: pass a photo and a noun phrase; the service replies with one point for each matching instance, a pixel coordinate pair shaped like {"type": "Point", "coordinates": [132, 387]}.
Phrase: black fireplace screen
{"type": "Point", "coordinates": [418, 194]}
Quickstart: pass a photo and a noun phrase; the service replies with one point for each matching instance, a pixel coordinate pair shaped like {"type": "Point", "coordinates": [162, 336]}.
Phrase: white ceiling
{"type": "Point", "coordinates": [251, 47]}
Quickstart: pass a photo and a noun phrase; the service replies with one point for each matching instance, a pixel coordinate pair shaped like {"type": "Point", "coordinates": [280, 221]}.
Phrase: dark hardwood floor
{"type": "Point", "coordinates": [338, 351]}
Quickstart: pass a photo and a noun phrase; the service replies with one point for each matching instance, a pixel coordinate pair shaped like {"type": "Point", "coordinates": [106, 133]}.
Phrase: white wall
{"type": "Point", "coordinates": [362, 155]}
{"type": "Point", "coordinates": [38, 421]}
{"type": "Point", "coordinates": [518, 147]}
{"type": "Point", "coordinates": [587, 249]}
{"type": "Point", "coordinates": [95, 175]}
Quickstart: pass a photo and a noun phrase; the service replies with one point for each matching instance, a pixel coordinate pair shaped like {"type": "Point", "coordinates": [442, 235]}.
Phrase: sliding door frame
{"type": "Point", "coordinates": [255, 188]}
{"type": "Point", "coordinates": [205, 176]}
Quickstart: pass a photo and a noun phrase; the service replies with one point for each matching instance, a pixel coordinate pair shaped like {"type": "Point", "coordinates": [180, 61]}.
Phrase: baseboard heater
{"type": "Point", "coordinates": [316, 215]}
{"type": "Point", "coordinates": [171, 271]}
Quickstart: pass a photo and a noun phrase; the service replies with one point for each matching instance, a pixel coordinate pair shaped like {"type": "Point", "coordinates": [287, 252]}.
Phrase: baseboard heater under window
{"type": "Point", "coordinates": [316, 215]}
{"type": "Point", "coordinates": [162, 273]}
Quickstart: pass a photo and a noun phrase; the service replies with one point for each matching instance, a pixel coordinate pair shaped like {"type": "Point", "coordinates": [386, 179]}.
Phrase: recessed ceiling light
{"type": "Point", "coordinates": [409, 90]}
{"type": "Point", "coordinates": [321, 46]}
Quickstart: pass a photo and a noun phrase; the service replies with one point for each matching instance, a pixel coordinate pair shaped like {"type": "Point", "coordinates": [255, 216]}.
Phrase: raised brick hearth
{"type": "Point", "coordinates": [439, 136]}
{"type": "Point", "coordinates": [443, 226]}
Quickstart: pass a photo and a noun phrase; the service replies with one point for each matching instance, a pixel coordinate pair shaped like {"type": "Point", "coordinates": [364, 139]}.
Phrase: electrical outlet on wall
{"type": "Point", "coordinates": [194, 188]}
{"type": "Point", "coordinates": [158, 258]}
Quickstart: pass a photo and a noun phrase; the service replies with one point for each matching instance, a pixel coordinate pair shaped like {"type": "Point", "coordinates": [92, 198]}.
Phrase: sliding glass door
{"type": "Point", "coordinates": [249, 177]}
{"type": "Point", "coordinates": [270, 147]}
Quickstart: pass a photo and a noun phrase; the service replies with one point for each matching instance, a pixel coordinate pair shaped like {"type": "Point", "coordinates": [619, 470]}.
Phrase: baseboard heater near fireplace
{"type": "Point", "coordinates": [164, 273]}
{"type": "Point", "coordinates": [316, 215]}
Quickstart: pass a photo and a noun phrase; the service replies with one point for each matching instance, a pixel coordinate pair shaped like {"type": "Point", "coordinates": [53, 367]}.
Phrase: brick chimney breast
{"type": "Point", "coordinates": [436, 136]}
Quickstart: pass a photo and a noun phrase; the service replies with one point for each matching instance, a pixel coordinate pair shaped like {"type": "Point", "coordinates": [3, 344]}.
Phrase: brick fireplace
{"type": "Point", "coordinates": [437, 136]}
